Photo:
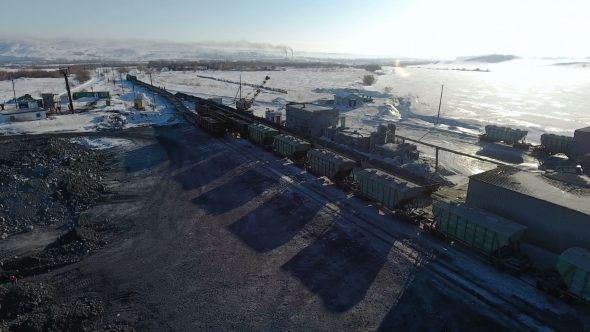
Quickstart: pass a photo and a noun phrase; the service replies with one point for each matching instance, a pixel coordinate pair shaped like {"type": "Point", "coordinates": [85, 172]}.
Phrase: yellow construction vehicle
{"type": "Point", "coordinates": [244, 105]}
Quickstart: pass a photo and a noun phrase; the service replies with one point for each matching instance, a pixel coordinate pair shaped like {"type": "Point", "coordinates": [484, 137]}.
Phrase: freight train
{"type": "Point", "coordinates": [493, 236]}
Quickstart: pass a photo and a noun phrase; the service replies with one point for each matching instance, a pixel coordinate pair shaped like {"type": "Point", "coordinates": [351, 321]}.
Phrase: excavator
{"type": "Point", "coordinates": [244, 105]}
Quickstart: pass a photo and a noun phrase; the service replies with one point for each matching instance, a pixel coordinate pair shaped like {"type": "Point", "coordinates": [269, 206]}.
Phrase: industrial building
{"type": "Point", "coordinates": [310, 118]}
{"type": "Point", "coordinates": [556, 213]}
{"type": "Point", "coordinates": [581, 143]}
{"type": "Point", "coordinates": [24, 114]}
{"type": "Point", "coordinates": [347, 99]}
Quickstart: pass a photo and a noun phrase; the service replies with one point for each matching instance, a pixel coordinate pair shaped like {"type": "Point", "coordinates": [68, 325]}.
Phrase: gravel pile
{"type": "Point", "coordinates": [46, 181]}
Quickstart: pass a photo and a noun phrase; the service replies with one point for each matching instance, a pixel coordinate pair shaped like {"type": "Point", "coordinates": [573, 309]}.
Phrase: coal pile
{"type": "Point", "coordinates": [46, 181]}
{"type": "Point", "coordinates": [69, 248]}
{"type": "Point", "coordinates": [32, 307]}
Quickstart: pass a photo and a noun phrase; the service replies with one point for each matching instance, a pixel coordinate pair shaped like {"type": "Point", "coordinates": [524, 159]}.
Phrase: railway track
{"type": "Point", "coordinates": [420, 253]}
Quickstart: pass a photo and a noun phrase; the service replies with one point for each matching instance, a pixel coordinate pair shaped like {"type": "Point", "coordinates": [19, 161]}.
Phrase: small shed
{"type": "Point", "coordinates": [581, 143]}
{"type": "Point", "coordinates": [347, 99]}
{"type": "Point", "coordinates": [24, 114]}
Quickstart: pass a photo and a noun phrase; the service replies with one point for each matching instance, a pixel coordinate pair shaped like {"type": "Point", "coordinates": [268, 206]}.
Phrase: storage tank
{"type": "Point", "coordinates": [574, 267]}
{"type": "Point", "coordinates": [330, 164]}
{"type": "Point", "coordinates": [390, 191]}
{"type": "Point", "coordinates": [291, 147]}
{"type": "Point", "coordinates": [482, 230]}
{"type": "Point", "coordinates": [557, 143]}
{"type": "Point", "coordinates": [262, 134]}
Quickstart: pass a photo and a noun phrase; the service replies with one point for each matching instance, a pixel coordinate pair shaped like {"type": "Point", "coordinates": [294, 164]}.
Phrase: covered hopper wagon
{"type": "Point", "coordinates": [386, 189]}
{"type": "Point", "coordinates": [503, 134]}
{"type": "Point", "coordinates": [329, 164]}
{"type": "Point", "coordinates": [552, 144]}
{"type": "Point", "coordinates": [492, 235]}
{"type": "Point", "coordinates": [291, 147]}
{"type": "Point", "coordinates": [571, 279]}
{"type": "Point", "coordinates": [262, 134]}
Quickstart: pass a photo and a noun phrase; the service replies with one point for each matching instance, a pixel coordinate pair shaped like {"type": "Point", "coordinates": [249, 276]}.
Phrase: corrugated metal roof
{"type": "Point", "coordinates": [386, 179]}
{"type": "Point", "coordinates": [488, 220]}
{"type": "Point", "coordinates": [586, 129]}
{"type": "Point", "coordinates": [290, 140]}
{"type": "Point", "coordinates": [330, 156]}
{"type": "Point", "coordinates": [563, 194]}
{"type": "Point", "coordinates": [578, 257]}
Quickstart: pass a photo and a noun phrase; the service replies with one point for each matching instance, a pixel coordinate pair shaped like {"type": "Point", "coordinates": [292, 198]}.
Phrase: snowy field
{"type": "Point", "coordinates": [531, 95]}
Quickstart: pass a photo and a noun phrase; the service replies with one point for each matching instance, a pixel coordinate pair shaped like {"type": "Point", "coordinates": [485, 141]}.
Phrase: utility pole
{"type": "Point", "coordinates": [153, 93]}
{"type": "Point", "coordinates": [14, 91]}
{"type": "Point", "coordinates": [65, 73]}
{"type": "Point", "coordinates": [439, 103]}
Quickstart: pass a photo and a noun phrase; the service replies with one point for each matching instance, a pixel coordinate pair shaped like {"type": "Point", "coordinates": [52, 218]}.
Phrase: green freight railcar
{"type": "Point", "coordinates": [262, 134]}
{"type": "Point", "coordinates": [237, 125]}
{"type": "Point", "coordinates": [574, 267]}
{"type": "Point", "coordinates": [504, 134]}
{"type": "Point", "coordinates": [291, 147]}
{"type": "Point", "coordinates": [482, 230]}
{"type": "Point", "coordinates": [557, 143]}
{"type": "Point", "coordinates": [330, 164]}
{"type": "Point", "coordinates": [386, 189]}
{"type": "Point", "coordinates": [218, 114]}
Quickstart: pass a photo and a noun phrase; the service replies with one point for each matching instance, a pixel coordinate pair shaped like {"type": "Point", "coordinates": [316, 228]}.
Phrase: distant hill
{"type": "Point", "coordinates": [492, 58]}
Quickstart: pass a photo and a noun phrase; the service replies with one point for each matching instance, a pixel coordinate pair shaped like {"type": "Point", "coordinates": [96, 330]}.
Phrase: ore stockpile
{"type": "Point", "coordinates": [45, 184]}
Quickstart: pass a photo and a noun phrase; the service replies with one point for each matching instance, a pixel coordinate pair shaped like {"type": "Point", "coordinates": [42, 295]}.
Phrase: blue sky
{"type": "Point", "coordinates": [419, 28]}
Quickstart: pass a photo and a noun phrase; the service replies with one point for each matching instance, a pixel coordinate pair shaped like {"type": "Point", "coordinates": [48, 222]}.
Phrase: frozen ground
{"type": "Point", "coordinates": [94, 114]}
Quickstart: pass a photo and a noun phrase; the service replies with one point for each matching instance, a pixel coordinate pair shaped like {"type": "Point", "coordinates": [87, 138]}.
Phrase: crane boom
{"type": "Point", "coordinates": [242, 104]}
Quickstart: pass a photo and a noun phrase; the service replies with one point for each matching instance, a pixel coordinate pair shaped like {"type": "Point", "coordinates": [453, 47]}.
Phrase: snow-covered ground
{"type": "Point", "coordinates": [532, 95]}
{"type": "Point", "coordinates": [97, 116]}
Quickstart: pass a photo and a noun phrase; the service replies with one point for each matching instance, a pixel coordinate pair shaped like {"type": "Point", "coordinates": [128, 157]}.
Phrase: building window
{"type": "Point", "coordinates": [39, 115]}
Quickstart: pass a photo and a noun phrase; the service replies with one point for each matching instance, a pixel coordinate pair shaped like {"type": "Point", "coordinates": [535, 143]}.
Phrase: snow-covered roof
{"type": "Point", "coordinates": [344, 94]}
{"type": "Point", "coordinates": [309, 107]}
{"type": "Point", "coordinates": [578, 257]}
{"type": "Point", "coordinates": [330, 156]}
{"type": "Point", "coordinates": [291, 140]}
{"type": "Point", "coordinates": [488, 220]}
{"type": "Point", "coordinates": [23, 110]}
{"type": "Point", "coordinates": [540, 187]}
{"type": "Point", "coordinates": [386, 179]}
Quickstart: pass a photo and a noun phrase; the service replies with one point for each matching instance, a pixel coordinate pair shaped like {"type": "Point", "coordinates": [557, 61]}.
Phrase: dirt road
{"type": "Point", "coordinates": [219, 234]}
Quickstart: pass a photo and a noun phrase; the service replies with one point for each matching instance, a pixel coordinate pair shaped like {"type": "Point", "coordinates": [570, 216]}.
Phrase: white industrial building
{"type": "Point", "coordinates": [310, 118]}
{"type": "Point", "coordinates": [24, 114]}
{"type": "Point", "coordinates": [556, 212]}
{"type": "Point", "coordinates": [347, 99]}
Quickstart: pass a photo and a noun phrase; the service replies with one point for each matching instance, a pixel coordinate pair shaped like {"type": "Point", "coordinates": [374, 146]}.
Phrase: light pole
{"type": "Point", "coordinates": [65, 71]}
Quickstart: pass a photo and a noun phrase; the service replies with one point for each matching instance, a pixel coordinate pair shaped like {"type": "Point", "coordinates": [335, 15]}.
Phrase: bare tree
{"type": "Point", "coordinates": [369, 80]}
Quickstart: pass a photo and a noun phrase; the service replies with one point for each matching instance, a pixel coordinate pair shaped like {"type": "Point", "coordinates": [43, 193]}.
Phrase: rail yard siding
{"type": "Point", "coordinates": [385, 188]}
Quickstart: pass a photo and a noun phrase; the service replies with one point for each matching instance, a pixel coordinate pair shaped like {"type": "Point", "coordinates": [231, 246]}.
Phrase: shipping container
{"type": "Point", "coordinates": [214, 126]}
{"type": "Point", "coordinates": [330, 164]}
{"type": "Point", "coordinates": [574, 267]}
{"type": "Point", "coordinates": [504, 134]}
{"type": "Point", "coordinates": [479, 229]}
{"type": "Point", "coordinates": [291, 147]}
{"type": "Point", "coordinates": [557, 143]}
{"type": "Point", "coordinates": [262, 134]}
{"type": "Point", "coordinates": [386, 189]}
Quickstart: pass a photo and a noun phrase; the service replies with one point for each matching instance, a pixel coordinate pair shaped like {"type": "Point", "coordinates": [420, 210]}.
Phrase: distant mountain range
{"type": "Point", "coordinates": [491, 58]}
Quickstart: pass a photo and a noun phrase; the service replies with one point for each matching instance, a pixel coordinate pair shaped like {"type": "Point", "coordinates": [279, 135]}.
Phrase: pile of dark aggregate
{"type": "Point", "coordinates": [46, 181]}
{"type": "Point", "coordinates": [34, 307]}
{"type": "Point", "coordinates": [67, 249]}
